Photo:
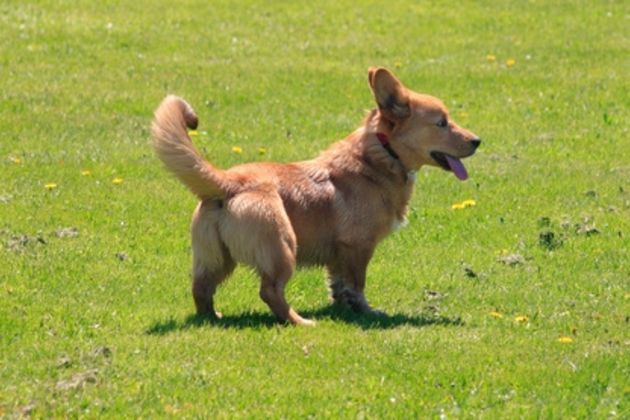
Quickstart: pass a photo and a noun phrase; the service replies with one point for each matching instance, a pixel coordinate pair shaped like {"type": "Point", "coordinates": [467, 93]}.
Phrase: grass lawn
{"type": "Point", "coordinates": [518, 306]}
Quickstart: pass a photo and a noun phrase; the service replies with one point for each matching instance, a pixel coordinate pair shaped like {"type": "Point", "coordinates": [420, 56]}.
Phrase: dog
{"type": "Point", "coordinates": [330, 211]}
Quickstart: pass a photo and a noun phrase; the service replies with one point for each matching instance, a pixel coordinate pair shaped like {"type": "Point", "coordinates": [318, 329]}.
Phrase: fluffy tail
{"type": "Point", "coordinates": [173, 146]}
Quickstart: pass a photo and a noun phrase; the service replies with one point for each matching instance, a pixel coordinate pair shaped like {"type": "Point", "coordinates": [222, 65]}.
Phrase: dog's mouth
{"type": "Point", "coordinates": [450, 163]}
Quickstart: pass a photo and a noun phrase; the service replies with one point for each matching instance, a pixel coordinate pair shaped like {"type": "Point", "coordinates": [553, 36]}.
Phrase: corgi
{"type": "Point", "coordinates": [330, 211]}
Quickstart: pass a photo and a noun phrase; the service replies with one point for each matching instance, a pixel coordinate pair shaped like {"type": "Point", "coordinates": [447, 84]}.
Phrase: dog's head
{"type": "Point", "coordinates": [419, 127]}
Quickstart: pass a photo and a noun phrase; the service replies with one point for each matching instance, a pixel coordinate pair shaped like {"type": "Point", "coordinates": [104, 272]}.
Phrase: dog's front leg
{"type": "Point", "coordinates": [347, 276]}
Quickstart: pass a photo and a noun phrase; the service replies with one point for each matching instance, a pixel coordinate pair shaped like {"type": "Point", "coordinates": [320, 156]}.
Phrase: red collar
{"type": "Point", "coordinates": [384, 140]}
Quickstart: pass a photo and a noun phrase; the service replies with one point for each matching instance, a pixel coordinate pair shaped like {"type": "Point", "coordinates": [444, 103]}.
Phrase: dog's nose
{"type": "Point", "coordinates": [476, 142]}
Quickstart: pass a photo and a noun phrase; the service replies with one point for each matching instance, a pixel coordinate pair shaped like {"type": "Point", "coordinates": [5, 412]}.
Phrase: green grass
{"type": "Point", "coordinates": [102, 324]}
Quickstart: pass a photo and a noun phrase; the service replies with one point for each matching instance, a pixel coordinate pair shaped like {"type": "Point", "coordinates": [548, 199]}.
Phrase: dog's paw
{"type": "Point", "coordinates": [307, 322]}
{"type": "Point", "coordinates": [210, 315]}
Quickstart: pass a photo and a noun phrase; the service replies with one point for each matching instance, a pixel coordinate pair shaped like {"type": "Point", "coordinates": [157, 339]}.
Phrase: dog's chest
{"type": "Point", "coordinates": [398, 204]}
{"type": "Point", "coordinates": [398, 223]}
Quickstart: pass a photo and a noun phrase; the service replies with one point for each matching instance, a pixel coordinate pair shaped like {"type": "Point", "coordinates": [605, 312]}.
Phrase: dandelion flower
{"type": "Point", "coordinates": [50, 186]}
{"type": "Point", "coordinates": [15, 160]}
{"type": "Point", "coordinates": [491, 57]}
{"type": "Point", "coordinates": [86, 172]}
{"type": "Point", "coordinates": [237, 149]}
{"type": "Point", "coordinates": [510, 62]}
{"type": "Point", "coordinates": [262, 151]}
{"type": "Point", "coordinates": [398, 64]}
{"type": "Point", "coordinates": [521, 318]}
{"type": "Point", "coordinates": [464, 204]}
{"type": "Point", "coordinates": [117, 181]}
{"type": "Point", "coordinates": [565, 340]}
{"type": "Point", "coordinates": [193, 133]}
{"type": "Point", "coordinates": [496, 314]}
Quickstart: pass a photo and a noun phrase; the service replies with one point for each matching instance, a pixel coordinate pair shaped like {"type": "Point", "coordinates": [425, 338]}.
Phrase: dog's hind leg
{"type": "Point", "coordinates": [205, 283]}
{"type": "Point", "coordinates": [258, 232]}
{"type": "Point", "coordinates": [272, 293]}
{"type": "Point", "coordinates": [212, 262]}
{"type": "Point", "coordinates": [275, 266]}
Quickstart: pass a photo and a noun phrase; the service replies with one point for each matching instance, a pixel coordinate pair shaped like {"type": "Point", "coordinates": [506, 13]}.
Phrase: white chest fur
{"type": "Point", "coordinates": [399, 224]}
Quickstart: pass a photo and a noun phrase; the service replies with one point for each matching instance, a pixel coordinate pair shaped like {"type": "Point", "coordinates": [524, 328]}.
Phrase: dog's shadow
{"type": "Point", "coordinates": [254, 320]}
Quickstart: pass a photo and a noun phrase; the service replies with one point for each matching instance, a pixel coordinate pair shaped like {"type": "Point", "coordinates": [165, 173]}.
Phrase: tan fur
{"type": "Point", "coordinates": [331, 211]}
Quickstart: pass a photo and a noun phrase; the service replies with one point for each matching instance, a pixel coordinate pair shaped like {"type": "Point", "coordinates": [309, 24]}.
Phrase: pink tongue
{"type": "Point", "coordinates": [457, 167]}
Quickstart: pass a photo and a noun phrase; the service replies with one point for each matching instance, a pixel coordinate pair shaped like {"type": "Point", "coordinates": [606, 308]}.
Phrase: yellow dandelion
{"type": "Point", "coordinates": [237, 149]}
{"type": "Point", "coordinates": [496, 314]}
{"type": "Point", "coordinates": [491, 57]}
{"type": "Point", "coordinates": [50, 186]}
{"type": "Point", "coordinates": [193, 133]}
{"type": "Point", "coordinates": [117, 181]}
{"type": "Point", "coordinates": [262, 151]}
{"type": "Point", "coordinates": [398, 64]}
{"type": "Point", "coordinates": [15, 160]}
{"type": "Point", "coordinates": [510, 62]}
{"type": "Point", "coordinates": [464, 204]}
{"type": "Point", "coordinates": [521, 318]}
{"type": "Point", "coordinates": [86, 172]}
{"type": "Point", "coordinates": [565, 340]}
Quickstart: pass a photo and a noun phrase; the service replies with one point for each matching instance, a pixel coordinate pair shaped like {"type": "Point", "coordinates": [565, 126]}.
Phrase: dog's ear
{"type": "Point", "coordinates": [389, 93]}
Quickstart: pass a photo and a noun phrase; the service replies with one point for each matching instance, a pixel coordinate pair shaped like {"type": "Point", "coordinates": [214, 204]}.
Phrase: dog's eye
{"type": "Point", "coordinates": [443, 123]}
